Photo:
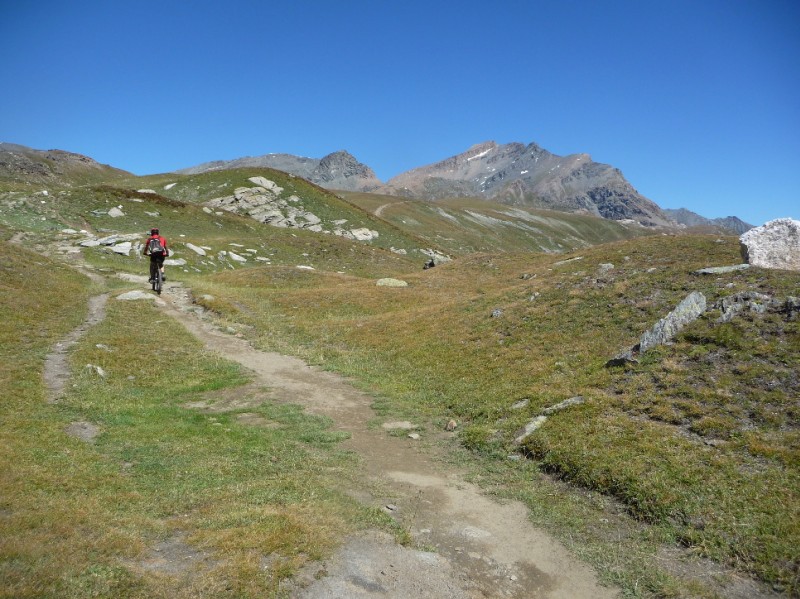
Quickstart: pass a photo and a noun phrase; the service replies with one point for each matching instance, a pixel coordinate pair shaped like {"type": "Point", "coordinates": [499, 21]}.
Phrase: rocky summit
{"type": "Point", "coordinates": [529, 175]}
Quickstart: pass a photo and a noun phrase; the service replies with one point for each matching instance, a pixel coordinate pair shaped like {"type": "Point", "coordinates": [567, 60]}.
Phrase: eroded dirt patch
{"type": "Point", "coordinates": [56, 368]}
{"type": "Point", "coordinates": [482, 548]}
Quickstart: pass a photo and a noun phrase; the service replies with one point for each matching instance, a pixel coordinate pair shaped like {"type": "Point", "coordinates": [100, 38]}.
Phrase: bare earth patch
{"type": "Point", "coordinates": [482, 548]}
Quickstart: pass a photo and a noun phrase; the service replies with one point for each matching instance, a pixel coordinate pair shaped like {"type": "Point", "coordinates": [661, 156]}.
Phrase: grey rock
{"type": "Point", "coordinates": [775, 244]}
{"type": "Point", "coordinates": [687, 311]}
{"type": "Point", "coordinates": [197, 250]}
{"type": "Point", "coordinates": [497, 313]}
{"type": "Point", "coordinates": [123, 248]}
{"type": "Point", "coordinates": [721, 270]}
{"type": "Point", "coordinates": [567, 403]}
{"type": "Point", "coordinates": [692, 306]}
{"type": "Point", "coordinates": [391, 283]}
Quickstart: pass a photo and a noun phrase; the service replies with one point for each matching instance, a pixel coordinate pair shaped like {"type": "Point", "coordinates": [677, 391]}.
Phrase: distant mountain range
{"type": "Point", "coordinates": [682, 216]}
{"type": "Point", "coordinates": [514, 174]}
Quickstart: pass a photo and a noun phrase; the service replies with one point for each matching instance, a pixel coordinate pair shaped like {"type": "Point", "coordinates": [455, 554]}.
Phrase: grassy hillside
{"type": "Point", "coordinates": [464, 226]}
{"type": "Point", "coordinates": [700, 438]}
{"type": "Point", "coordinates": [698, 442]}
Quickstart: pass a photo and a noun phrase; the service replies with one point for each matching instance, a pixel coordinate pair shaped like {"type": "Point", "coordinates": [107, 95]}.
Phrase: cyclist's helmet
{"type": "Point", "coordinates": [154, 231]}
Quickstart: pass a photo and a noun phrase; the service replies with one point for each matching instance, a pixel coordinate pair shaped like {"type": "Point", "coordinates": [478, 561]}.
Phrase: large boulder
{"type": "Point", "coordinates": [775, 244]}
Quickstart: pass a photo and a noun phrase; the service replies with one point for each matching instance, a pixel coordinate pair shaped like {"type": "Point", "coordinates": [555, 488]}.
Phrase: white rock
{"type": "Point", "coordinates": [90, 243]}
{"type": "Point", "coordinates": [391, 283]}
{"type": "Point", "coordinates": [207, 210]}
{"type": "Point", "coordinates": [197, 250]}
{"type": "Point", "coordinates": [145, 191]}
{"type": "Point", "coordinates": [115, 213]}
{"type": "Point", "coordinates": [303, 267]}
{"type": "Point", "coordinates": [170, 185]}
{"type": "Point", "coordinates": [122, 248]}
{"type": "Point", "coordinates": [236, 257]}
{"type": "Point", "coordinates": [175, 262]}
{"type": "Point", "coordinates": [363, 234]}
{"type": "Point", "coordinates": [69, 231]}
{"type": "Point", "coordinates": [775, 244]}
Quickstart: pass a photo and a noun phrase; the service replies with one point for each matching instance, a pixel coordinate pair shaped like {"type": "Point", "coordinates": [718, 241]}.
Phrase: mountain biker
{"type": "Point", "coordinates": [156, 248]}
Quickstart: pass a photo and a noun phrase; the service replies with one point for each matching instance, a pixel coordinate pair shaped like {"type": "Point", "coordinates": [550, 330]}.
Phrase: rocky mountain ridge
{"type": "Point", "coordinates": [513, 173]}
{"type": "Point", "coordinates": [338, 170]}
{"type": "Point", "coordinates": [686, 217]}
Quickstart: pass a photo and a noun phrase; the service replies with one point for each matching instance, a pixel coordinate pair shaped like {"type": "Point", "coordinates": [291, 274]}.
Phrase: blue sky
{"type": "Point", "coordinates": [697, 102]}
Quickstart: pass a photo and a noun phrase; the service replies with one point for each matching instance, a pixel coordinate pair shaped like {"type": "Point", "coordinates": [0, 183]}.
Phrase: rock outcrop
{"type": "Point", "coordinates": [689, 310]}
{"type": "Point", "coordinates": [267, 203]}
{"type": "Point", "coordinates": [775, 244]}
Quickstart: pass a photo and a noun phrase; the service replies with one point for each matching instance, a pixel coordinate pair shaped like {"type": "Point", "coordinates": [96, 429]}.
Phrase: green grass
{"type": "Point", "coordinates": [464, 226]}
{"type": "Point", "coordinates": [699, 439]}
{"type": "Point", "coordinates": [81, 519]}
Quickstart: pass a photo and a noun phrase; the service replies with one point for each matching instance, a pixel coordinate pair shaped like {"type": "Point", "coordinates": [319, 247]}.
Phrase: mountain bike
{"type": "Point", "coordinates": [156, 278]}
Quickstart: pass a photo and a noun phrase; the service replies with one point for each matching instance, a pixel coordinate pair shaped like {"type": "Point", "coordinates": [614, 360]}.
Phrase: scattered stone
{"type": "Point", "coordinates": [175, 262]}
{"type": "Point", "coordinates": [721, 270]}
{"type": "Point", "coordinates": [775, 244]}
{"type": "Point", "coordinates": [414, 436]}
{"type": "Point", "coordinates": [567, 261]}
{"type": "Point", "coordinates": [146, 191]}
{"type": "Point", "coordinates": [303, 267]}
{"type": "Point", "coordinates": [391, 283]}
{"type": "Point", "coordinates": [364, 234]}
{"type": "Point", "coordinates": [236, 257]}
{"type": "Point", "coordinates": [605, 268]}
{"type": "Point", "coordinates": [497, 313]}
{"type": "Point", "coordinates": [391, 507]}
{"type": "Point", "coordinates": [529, 428]}
{"type": "Point", "coordinates": [170, 185]}
{"type": "Point", "coordinates": [567, 403]}
{"type": "Point", "coordinates": [689, 310]}
{"type": "Point", "coordinates": [197, 250]}
{"type": "Point", "coordinates": [123, 248]}
{"type": "Point", "coordinates": [98, 370]}
{"type": "Point", "coordinates": [522, 403]}
{"type": "Point", "coordinates": [759, 303]}
{"type": "Point", "coordinates": [115, 213]}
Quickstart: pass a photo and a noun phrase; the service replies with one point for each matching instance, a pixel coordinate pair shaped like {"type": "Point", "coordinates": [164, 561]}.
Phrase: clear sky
{"type": "Point", "coordinates": [696, 101]}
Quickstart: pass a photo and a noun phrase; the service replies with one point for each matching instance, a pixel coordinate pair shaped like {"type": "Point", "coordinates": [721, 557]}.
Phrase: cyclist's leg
{"type": "Point", "coordinates": [161, 266]}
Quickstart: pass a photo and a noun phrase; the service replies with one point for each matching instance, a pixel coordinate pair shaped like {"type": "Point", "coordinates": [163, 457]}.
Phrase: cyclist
{"type": "Point", "coordinates": [156, 248]}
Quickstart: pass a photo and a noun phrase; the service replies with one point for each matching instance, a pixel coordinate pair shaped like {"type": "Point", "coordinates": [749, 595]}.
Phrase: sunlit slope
{"type": "Point", "coordinates": [64, 219]}
{"type": "Point", "coordinates": [464, 225]}
{"type": "Point", "coordinates": [699, 438]}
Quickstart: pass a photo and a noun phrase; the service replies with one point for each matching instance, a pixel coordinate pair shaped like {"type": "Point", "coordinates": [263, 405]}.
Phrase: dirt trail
{"type": "Point", "coordinates": [482, 548]}
{"type": "Point", "coordinates": [56, 369]}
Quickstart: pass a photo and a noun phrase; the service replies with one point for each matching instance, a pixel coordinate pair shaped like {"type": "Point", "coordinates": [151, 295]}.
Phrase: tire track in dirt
{"type": "Point", "coordinates": [483, 548]}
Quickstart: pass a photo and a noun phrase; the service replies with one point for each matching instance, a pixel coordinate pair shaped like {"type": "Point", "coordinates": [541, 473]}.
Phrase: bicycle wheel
{"type": "Point", "coordinates": [157, 281]}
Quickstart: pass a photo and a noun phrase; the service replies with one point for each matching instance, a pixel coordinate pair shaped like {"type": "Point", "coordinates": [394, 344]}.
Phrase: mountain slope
{"type": "Point", "coordinates": [24, 166]}
{"type": "Point", "coordinates": [338, 170]}
{"type": "Point", "coordinates": [730, 224]}
{"type": "Point", "coordinates": [530, 176]}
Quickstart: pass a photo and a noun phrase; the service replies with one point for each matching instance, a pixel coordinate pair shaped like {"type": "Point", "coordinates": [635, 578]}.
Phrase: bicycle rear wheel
{"type": "Point", "coordinates": [158, 281]}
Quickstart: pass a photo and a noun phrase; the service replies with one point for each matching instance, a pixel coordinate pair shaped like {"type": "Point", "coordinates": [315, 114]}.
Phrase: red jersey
{"type": "Point", "coordinates": [161, 239]}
